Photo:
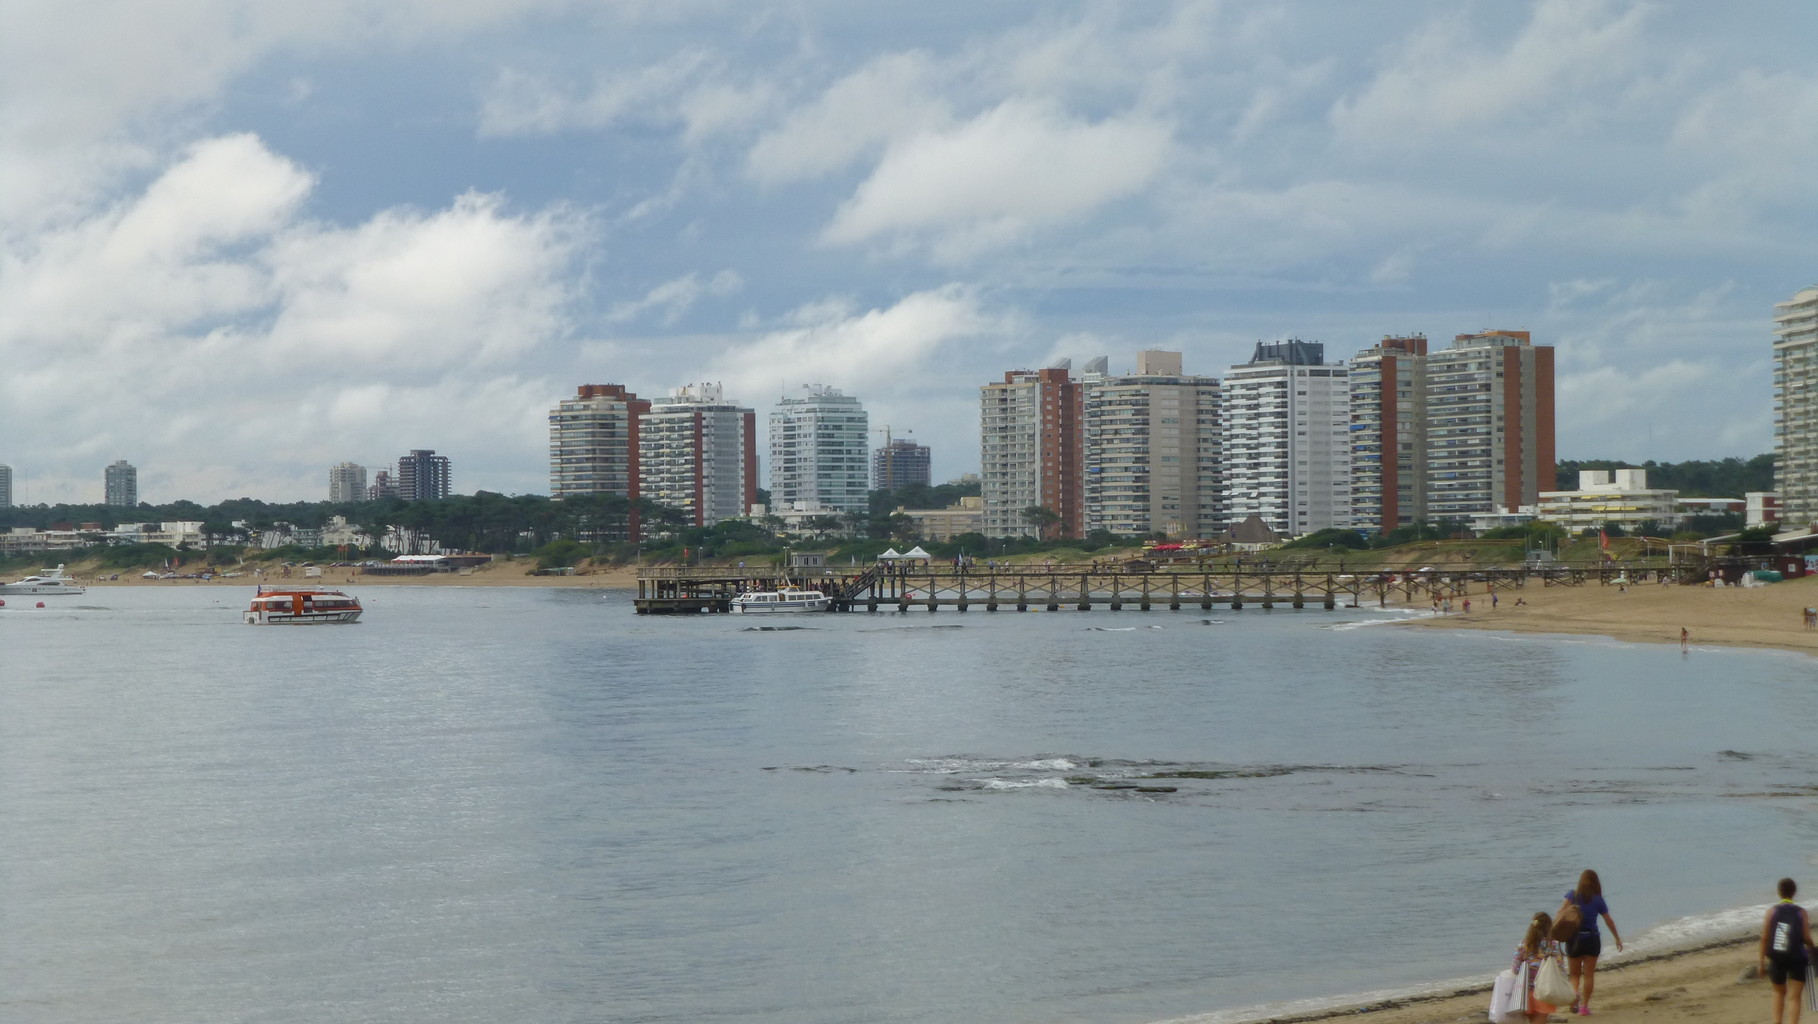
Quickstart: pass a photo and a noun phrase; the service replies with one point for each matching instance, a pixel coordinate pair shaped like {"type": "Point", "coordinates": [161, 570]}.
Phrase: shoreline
{"type": "Point", "coordinates": [1710, 980]}
{"type": "Point", "coordinates": [1767, 617]}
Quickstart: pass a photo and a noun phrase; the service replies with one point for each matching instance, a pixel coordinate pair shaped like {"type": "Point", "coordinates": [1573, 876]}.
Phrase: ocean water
{"type": "Point", "coordinates": [485, 804]}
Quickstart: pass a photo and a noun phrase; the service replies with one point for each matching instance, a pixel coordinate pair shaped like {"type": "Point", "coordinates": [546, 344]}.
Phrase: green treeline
{"type": "Point", "coordinates": [1695, 478]}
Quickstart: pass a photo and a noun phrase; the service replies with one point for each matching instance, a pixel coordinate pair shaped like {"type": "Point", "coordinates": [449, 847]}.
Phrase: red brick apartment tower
{"type": "Point", "coordinates": [1490, 408]}
{"type": "Point", "coordinates": [1388, 433]}
{"type": "Point", "coordinates": [593, 444]}
{"type": "Point", "coordinates": [1032, 450]}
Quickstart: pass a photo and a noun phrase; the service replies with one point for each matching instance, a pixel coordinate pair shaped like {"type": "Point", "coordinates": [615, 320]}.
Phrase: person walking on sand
{"type": "Point", "coordinates": [1786, 934]}
{"type": "Point", "coordinates": [1537, 948]}
{"type": "Point", "coordinates": [1585, 947]}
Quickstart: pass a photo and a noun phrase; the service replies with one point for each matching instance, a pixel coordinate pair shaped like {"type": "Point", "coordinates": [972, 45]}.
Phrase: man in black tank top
{"type": "Point", "coordinates": [1786, 934]}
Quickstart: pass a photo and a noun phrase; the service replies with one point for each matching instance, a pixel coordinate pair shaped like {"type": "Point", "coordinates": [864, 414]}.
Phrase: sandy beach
{"type": "Point", "coordinates": [1712, 983]}
{"type": "Point", "coordinates": [1770, 616]}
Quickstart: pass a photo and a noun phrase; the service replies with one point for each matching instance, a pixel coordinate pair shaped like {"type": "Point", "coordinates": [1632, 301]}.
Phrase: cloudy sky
{"type": "Point", "coordinates": [241, 241]}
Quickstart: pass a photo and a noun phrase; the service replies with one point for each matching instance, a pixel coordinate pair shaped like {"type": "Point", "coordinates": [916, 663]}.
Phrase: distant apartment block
{"type": "Point", "coordinates": [423, 475]}
{"type": "Point", "coordinates": [1388, 433]}
{"type": "Point", "coordinates": [1152, 451]}
{"type": "Point", "coordinates": [384, 485]}
{"type": "Point", "coordinates": [347, 482]}
{"type": "Point", "coordinates": [820, 451]}
{"type": "Point", "coordinates": [944, 524]}
{"type": "Point", "coordinates": [1030, 451]}
{"type": "Point", "coordinates": [899, 463]}
{"type": "Point", "coordinates": [698, 452]}
{"type": "Point", "coordinates": [1619, 496]}
{"type": "Point", "coordinates": [1796, 407]}
{"type": "Point", "coordinates": [1287, 449]}
{"type": "Point", "coordinates": [593, 442]}
{"type": "Point", "coordinates": [1489, 424]}
{"type": "Point", "coordinates": [120, 484]}
{"type": "Point", "coordinates": [6, 487]}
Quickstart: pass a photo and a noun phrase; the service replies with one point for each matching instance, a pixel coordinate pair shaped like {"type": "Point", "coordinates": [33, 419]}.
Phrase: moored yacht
{"type": "Point", "coordinates": [48, 581]}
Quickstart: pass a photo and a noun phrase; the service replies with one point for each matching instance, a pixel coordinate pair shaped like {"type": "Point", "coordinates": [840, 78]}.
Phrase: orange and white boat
{"type": "Point", "coordinates": [301, 606]}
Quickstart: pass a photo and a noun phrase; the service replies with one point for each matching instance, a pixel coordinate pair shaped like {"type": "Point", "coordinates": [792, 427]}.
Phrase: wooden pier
{"type": "Point", "coordinates": [902, 588]}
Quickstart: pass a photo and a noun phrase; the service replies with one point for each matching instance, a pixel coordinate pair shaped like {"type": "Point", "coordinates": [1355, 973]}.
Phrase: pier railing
{"type": "Point", "coordinates": [1116, 585]}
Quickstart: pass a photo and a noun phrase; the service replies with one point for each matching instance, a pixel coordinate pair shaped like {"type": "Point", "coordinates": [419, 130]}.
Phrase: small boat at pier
{"type": "Point", "coordinates": [48, 581]}
{"type": "Point", "coordinates": [788, 599]}
{"type": "Point", "coordinates": [301, 606]}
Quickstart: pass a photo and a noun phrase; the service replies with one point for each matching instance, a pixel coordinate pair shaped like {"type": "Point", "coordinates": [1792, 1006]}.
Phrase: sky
{"type": "Point", "coordinates": [242, 241]}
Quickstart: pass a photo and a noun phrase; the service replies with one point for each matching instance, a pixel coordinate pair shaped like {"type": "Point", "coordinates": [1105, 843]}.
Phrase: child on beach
{"type": "Point", "coordinates": [1786, 933]}
{"type": "Point", "coordinates": [1537, 948]}
{"type": "Point", "coordinates": [1585, 947]}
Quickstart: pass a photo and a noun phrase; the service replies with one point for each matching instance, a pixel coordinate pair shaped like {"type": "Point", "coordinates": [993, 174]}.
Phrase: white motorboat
{"type": "Point", "coordinates": [48, 581]}
{"type": "Point", "coordinates": [301, 606]}
{"type": "Point", "coordinates": [788, 599]}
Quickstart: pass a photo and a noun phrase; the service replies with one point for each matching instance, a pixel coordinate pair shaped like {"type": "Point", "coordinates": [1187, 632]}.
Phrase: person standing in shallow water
{"type": "Point", "coordinates": [1585, 947]}
{"type": "Point", "coordinates": [1786, 934]}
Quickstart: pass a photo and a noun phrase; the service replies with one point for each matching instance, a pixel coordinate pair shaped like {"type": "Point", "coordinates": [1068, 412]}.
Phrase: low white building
{"type": "Point", "coordinates": [1619, 496]}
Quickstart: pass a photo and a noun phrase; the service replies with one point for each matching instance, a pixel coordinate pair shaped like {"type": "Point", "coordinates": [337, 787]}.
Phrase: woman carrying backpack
{"type": "Point", "coordinates": [1585, 947]}
{"type": "Point", "coordinates": [1785, 934]}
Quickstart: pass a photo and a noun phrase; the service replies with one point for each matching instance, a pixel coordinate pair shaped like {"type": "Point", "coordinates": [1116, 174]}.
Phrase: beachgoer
{"type": "Point", "coordinates": [1684, 637]}
{"type": "Point", "coordinates": [1467, 606]}
{"type": "Point", "coordinates": [1521, 601]}
{"type": "Point", "coordinates": [1536, 948]}
{"type": "Point", "coordinates": [1492, 600]}
{"type": "Point", "coordinates": [1585, 947]}
{"type": "Point", "coordinates": [1786, 934]}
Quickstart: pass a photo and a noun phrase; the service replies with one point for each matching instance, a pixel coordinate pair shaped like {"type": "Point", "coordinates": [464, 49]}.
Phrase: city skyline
{"type": "Point", "coordinates": [413, 221]}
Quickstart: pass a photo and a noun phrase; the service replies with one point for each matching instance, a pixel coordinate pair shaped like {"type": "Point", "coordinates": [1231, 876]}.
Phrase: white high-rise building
{"type": "Point", "coordinates": [1287, 451]}
{"type": "Point", "coordinates": [698, 452]}
{"type": "Point", "coordinates": [1152, 462]}
{"type": "Point", "coordinates": [121, 484]}
{"type": "Point", "coordinates": [6, 487]}
{"type": "Point", "coordinates": [1796, 406]}
{"type": "Point", "coordinates": [1031, 441]}
{"type": "Point", "coordinates": [820, 451]}
{"type": "Point", "coordinates": [347, 482]}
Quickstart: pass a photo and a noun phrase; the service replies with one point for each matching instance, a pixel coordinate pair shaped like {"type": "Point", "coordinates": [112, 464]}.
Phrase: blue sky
{"type": "Point", "coordinates": [240, 243]}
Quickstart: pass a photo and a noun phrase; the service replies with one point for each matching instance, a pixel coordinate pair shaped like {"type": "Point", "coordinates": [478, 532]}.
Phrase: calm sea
{"type": "Point", "coordinates": [531, 805]}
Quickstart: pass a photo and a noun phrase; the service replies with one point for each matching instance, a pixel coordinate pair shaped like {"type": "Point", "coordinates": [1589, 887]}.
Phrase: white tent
{"type": "Point", "coordinates": [889, 555]}
{"type": "Point", "coordinates": [917, 552]}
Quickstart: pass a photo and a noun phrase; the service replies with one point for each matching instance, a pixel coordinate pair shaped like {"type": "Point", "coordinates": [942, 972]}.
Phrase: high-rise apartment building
{"type": "Point", "coordinates": [1388, 433]}
{"type": "Point", "coordinates": [1151, 455]}
{"type": "Point", "coordinates": [423, 475]}
{"type": "Point", "coordinates": [698, 452]}
{"type": "Point", "coordinates": [1287, 451]}
{"type": "Point", "coordinates": [347, 482]}
{"type": "Point", "coordinates": [1489, 424]}
{"type": "Point", "coordinates": [384, 485]}
{"type": "Point", "coordinates": [6, 487]}
{"type": "Point", "coordinates": [593, 442]}
{"type": "Point", "coordinates": [1030, 451]}
{"type": "Point", "coordinates": [1796, 406]}
{"type": "Point", "coordinates": [820, 451]}
{"type": "Point", "coordinates": [120, 484]}
{"type": "Point", "coordinates": [899, 463]}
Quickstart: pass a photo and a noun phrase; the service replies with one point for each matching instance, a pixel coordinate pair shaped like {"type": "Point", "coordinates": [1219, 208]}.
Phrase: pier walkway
{"type": "Point", "coordinates": [900, 588]}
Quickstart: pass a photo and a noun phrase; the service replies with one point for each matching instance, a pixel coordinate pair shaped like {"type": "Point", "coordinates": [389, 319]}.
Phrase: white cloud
{"type": "Point", "coordinates": [874, 350]}
{"type": "Point", "coordinates": [205, 321]}
{"type": "Point", "coordinates": [1441, 79]}
{"type": "Point", "coordinates": [890, 97]}
{"type": "Point", "coordinates": [676, 296]}
{"type": "Point", "coordinates": [1016, 168]}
